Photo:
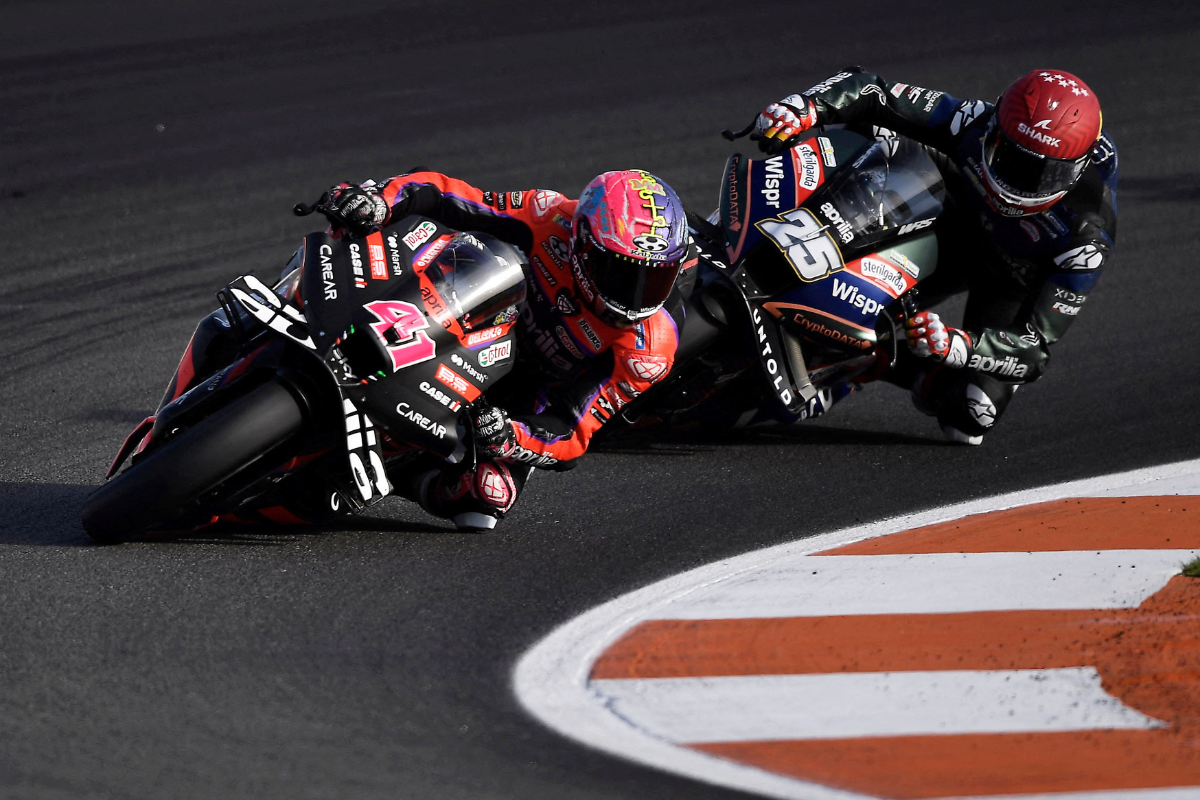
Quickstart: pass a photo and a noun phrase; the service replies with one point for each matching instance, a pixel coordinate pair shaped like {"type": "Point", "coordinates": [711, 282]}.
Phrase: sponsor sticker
{"type": "Point", "coordinates": [559, 251]}
{"type": "Point", "coordinates": [592, 337]}
{"type": "Point", "coordinates": [420, 234]}
{"type": "Point", "coordinates": [914, 226]}
{"type": "Point", "coordinates": [647, 367]}
{"type": "Point", "coordinates": [329, 287]}
{"type": "Point", "coordinates": [431, 252]}
{"type": "Point", "coordinates": [379, 266]}
{"type": "Point", "coordinates": [500, 351]}
{"type": "Point", "coordinates": [808, 167]}
{"type": "Point", "coordinates": [543, 199]}
{"type": "Point", "coordinates": [420, 420]}
{"type": "Point", "coordinates": [457, 383]}
{"type": "Point", "coordinates": [1084, 257]}
{"type": "Point", "coordinates": [476, 338]}
{"type": "Point", "coordinates": [850, 294]}
{"type": "Point", "coordinates": [544, 270]}
{"type": "Point", "coordinates": [827, 154]}
{"type": "Point", "coordinates": [466, 367]}
{"type": "Point", "coordinates": [906, 263]}
{"type": "Point", "coordinates": [845, 231]}
{"type": "Point", "coordinates": [1064, 308]}
{"type": "Point", "coordinates": [437, 394]}
{"type": "Point", "coordinates": [772, 180]}
{"type": "Point", "coordinates": [884, 274]}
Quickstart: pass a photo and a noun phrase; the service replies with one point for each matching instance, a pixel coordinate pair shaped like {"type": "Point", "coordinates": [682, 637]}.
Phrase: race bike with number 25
{"type": "Point", "coordinates": [363, 358]}
{"type": "Point", "coordinates": [807, 271]}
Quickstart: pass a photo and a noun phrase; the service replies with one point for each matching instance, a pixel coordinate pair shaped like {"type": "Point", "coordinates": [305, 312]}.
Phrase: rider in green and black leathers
{"type": "Point", "coordinates": [1030, 222]}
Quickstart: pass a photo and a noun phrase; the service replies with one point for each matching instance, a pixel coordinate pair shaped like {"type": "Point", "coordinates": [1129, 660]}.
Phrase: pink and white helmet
{"type": "Point", "coordinates": [628, 239]}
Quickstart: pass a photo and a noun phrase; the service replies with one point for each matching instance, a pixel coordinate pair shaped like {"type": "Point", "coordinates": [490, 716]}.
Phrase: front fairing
{"type": "Point", "coordinates": [411, 338]}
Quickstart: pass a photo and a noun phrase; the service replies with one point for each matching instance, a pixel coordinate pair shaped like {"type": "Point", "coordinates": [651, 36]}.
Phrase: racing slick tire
{"type": "Point", "coordinates": [154, 490]}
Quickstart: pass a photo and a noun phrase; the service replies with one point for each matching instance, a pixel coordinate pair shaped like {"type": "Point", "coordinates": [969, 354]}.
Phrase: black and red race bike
{"type": "Point", "coordinates": [365, 357]}
{"type": "Point", "coordinates": [807, 271]}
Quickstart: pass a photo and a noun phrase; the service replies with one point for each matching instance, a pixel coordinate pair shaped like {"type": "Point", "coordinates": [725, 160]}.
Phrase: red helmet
{"type": "Point", "coordinates": [1040, 140]}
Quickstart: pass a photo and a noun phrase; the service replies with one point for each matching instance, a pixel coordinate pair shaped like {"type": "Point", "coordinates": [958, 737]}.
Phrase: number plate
{"type": "Point", "coordinates": [805, 243]}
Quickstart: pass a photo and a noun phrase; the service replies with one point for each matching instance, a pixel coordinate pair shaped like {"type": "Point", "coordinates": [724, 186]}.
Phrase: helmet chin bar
{"type": "Point", "coordinates": [1027, 205]}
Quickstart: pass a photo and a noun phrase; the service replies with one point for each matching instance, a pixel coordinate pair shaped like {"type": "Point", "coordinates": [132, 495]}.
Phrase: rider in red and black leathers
{"type": "Point", "coordinates": [583, 354]}
{"type": "Point", "coordinates": [1028, 247]}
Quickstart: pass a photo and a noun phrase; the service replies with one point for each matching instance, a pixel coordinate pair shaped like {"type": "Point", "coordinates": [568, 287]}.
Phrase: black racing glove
{"type": "Point", "coordinates": [494, 437]}
{"type": "Point", "coordinates": [357, 210]}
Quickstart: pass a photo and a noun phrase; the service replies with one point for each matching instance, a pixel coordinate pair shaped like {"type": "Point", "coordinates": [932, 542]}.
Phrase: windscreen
{"type": "Point", "coordinates": [478, 276]}
{"type": "Point", "coordinates": [893, 183]}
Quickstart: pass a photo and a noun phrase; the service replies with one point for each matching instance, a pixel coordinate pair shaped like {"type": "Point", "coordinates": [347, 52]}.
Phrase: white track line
{"type": "Point", "coordinates": [551, 679]}
{"type": "Point", "coordinates": [844, 705]}
{"type": "Point", "coordinates": [820, 586]}
{"type": "Point", "coordinates": [1170, 793]}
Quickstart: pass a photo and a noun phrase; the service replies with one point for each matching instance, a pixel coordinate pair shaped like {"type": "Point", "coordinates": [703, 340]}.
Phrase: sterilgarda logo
{"type": "Point", "coordinates": [808, 167]}
{"type": "Point", "coordinates": [420, 234]}
{"type": "Point", "coordinates": [883, 273]}
{"type": "Point", "coordinates": [500, 351]}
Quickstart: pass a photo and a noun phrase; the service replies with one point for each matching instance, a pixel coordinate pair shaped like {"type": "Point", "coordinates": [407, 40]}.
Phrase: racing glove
{"type": "Point", "coordinates": [494, 437]}
{"type": "Point", "coordinates": [357, 210]}
{"type": "Point", "coordinates": [929, 337]}
{"type": "Point", "coordinates": [780, 123]}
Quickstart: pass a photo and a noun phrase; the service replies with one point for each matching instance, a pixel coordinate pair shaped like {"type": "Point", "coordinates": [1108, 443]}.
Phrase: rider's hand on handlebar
{"type": "Point", "coordinates": [780, 123]}
{"type": "Point", "coordinates": [494, 437]}
{"type": "Point", "coordinates": [355, 209]}
{"type": "Point", "coordinates": [929, 337]}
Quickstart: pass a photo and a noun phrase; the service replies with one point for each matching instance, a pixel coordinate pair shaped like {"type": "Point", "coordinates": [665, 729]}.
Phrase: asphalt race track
{"type": "Point", "coordinates": [151, 152]}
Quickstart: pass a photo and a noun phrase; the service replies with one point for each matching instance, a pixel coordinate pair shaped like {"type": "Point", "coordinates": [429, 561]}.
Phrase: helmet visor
{"type": "Point", "coordinates": [633, 287]}
{"type": "Point", "coordinates": [1024, 173]}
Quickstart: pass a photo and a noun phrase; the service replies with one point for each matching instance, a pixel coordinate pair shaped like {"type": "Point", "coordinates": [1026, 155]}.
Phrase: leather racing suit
{"type": "Point", "coordinates": [574, 371]}
{"type": "Point", "coordinates": [1027, 277]}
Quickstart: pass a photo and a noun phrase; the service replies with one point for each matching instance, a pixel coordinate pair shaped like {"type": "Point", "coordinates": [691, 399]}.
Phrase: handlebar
{"type": "Point", "coordinates": [321, 206]}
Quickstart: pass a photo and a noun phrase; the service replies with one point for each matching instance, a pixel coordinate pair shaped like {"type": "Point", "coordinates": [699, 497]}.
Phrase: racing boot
{"type": "Point", "coordinates": [966, 403]}
{"type": "Point", "coordinates": [474, 499]}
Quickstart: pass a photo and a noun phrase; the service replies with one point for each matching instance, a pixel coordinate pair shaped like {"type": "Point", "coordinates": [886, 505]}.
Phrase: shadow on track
{"type": "Point", "coordinates": [682, 442]}
{"type": "Point", "coordinates": [47, 514]}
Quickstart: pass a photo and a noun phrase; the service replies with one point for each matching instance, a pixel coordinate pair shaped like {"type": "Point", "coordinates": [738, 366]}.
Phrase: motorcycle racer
{"type": "Point", "coordinates": [1030, 222]}
{"type": "Point", "coordinates": [599, 328]}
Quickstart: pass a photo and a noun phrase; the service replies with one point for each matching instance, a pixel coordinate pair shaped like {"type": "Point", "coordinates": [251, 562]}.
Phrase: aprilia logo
{"type": "Point", "coordinates": [1008, 366]}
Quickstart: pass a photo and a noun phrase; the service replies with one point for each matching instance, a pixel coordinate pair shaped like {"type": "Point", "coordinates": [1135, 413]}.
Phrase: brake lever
{"type": "Point", "coordinates": [731, 136]}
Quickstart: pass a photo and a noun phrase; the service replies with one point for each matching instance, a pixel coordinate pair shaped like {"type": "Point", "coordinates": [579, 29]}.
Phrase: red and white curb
{"type": "Point", "coordinates": [1035, 644]}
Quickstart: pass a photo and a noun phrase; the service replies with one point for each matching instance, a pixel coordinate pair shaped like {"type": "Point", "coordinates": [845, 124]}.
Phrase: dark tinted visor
{"type": "Point", "coordinates": [1025, 173]}
{"type": "Point", "coordinates": [636, 287]}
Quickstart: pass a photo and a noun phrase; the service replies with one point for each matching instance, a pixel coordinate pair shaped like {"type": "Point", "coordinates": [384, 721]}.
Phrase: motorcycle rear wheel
{"type": "Point", "coordinates": [152, 492]}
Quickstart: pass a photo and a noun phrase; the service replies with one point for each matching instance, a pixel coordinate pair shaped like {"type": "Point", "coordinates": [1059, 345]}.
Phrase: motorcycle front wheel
{"type": "Point", "coordinates": [157, 487]}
